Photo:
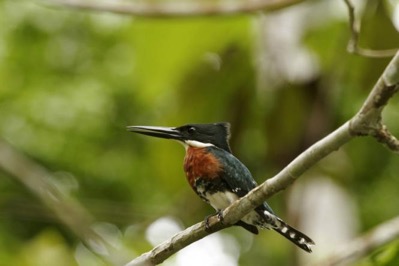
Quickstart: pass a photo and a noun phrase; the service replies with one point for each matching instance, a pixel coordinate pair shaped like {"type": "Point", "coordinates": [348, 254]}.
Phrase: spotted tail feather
{"type": "Point", "coordinates": [293, 235]}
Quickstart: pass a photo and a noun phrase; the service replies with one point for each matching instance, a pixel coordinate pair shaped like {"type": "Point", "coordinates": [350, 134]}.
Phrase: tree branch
{"type": "Point", "coordinates": [366, 122]}
{"type": "Point", "coordinates": [176, 9]}
{"type": "Point", "coordinates": [356, 249]}
{"type": "Point", "coordinates": [177, 242]}
{"type": "Point", "coordinates": [353, 44]}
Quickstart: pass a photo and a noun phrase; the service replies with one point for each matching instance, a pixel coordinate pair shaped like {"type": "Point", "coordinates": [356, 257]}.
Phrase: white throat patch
{"type": "Point", "coordinates": [197, 144]}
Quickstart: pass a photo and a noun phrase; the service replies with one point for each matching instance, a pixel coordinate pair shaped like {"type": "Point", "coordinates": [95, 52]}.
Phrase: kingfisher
{"type": "Point", "coordinates": [219, 178]}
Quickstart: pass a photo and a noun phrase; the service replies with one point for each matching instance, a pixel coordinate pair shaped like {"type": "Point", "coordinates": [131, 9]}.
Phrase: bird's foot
{"type": "Point", "coordinates": [219, 215]}
{"type": "Point", "coordinates": [207, 226]}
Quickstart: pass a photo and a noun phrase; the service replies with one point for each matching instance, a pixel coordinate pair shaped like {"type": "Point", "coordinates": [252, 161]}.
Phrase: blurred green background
{"type": "Point", "coordinates": [71, 81]}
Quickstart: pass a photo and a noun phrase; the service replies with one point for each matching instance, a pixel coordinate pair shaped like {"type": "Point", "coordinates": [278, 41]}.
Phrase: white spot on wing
{"type": "Point", "coordinates": [236, 189]}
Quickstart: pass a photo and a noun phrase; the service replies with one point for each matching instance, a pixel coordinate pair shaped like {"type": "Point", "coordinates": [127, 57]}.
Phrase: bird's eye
{"type": "Point", "coordinates": [191, 130]}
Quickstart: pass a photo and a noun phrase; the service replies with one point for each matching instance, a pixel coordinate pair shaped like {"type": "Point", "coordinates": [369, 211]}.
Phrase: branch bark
{"type": "Point", "coordinates": [176, 9]}
{"type": "Point", "coordinates": [367, 122]}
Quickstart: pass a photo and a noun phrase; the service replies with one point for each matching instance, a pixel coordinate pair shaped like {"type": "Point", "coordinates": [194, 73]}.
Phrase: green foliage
{"type": "Point", "coordinates": [385, 256]}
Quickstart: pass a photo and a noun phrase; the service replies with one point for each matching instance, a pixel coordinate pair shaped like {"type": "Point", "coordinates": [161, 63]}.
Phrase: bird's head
{"type": "Point", "coordinates": [194, 135]}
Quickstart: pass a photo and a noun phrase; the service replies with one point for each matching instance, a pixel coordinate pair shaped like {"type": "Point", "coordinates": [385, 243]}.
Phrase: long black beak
{"type": "Point", "coordinates": [159, 132]}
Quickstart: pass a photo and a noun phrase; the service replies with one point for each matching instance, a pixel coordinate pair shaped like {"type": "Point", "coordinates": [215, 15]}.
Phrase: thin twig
{"type": "Point", "coordinates": [363, 245]}
{"type": "Point", "coordinates": [37, 179]}
{"type": "Point", "coordinates": [353, 44]}
{"type": "Point", "coordinates": [176, 9]}
{"type": "Point", "coordinates": [387, 139]}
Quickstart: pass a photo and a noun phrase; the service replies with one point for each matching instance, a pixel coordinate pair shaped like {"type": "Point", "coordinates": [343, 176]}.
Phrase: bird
{"type": "Point", "coordinates": [219, 178]}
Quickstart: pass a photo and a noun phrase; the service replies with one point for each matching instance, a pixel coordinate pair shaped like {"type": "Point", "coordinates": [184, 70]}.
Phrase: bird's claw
{"type": "Point", "coordinates": [219, 215]}
{"type": "Point", "coordinates": [207, 226]}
